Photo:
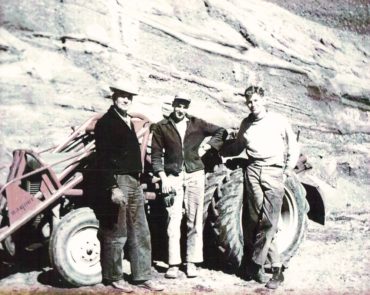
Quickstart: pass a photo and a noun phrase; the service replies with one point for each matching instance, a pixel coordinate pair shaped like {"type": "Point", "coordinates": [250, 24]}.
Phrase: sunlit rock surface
{"type": "Point", "coordinates": [57, 59]}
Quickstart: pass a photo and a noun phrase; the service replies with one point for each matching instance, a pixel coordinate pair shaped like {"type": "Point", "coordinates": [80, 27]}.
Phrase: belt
{"type": "Point", "coordinates": [275, 165]}
{"type": "Point", "coordinates": [134, 175]}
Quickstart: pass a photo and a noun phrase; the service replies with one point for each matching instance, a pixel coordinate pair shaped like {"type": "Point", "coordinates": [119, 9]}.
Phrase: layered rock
{"type": "Point", "coordinates": [58, 58]}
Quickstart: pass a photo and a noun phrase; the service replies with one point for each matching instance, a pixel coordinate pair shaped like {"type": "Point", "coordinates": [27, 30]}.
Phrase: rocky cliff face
{"type": "Point", "coordinates": [58, 57]}
{"type": "Point", "coordinates": [348, 15]}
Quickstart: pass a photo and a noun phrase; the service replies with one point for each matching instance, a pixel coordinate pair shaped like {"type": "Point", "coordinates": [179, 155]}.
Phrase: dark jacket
{"type": "Point", "coordinates": [166, 142]}
{"type": "Point", "coordinates": [117, 148]}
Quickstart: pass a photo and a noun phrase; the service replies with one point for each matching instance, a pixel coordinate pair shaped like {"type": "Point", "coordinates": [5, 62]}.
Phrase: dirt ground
{"type": "Point", "coordinates": [331, 260]}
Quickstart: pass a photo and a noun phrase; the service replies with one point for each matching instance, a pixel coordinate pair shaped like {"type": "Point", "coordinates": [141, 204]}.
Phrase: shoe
{"type": "Point", "coordinates": [257, 273]}
{"type": "Point", "coordinates": [191, 270]}
{"type": "Point", "coordinates": [277, 278]}
{"type": "Point", "coordinates": [260, 276]}
{"type": "Point", "coordinates": [172, 272]}
{"type": "Point", "coordinates": [122, 285]}
{"type": "Point", "coordinates": [151, 285]}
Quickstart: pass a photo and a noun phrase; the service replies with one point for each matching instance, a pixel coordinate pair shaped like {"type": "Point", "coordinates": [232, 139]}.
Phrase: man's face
{"type": "Point", "coordinates": [256, 104]}
{"type": "Point", "coordinates": [180, 110]}
{"type": "Point", "coordinates": [123, 101]}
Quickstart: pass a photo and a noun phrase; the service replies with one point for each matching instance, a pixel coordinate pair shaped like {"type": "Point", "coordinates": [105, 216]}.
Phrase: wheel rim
{"type": "Point", "coordinates": [9, 246]}
{"type": "Point", "coordinates": [288, 222]}
{"type": "Point", "coordinates": [83, 251]}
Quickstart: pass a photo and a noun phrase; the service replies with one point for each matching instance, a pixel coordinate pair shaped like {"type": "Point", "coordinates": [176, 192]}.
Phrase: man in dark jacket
{"type": "Point", "coordinates": [119, 161]}
{"type": "Point", "coordinates": [177, 140]}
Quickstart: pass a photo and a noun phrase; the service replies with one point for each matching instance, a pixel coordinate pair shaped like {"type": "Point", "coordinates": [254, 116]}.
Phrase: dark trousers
{"type": "Point", "coordinates": [129, 225]}
{"type": "Point", "coordinates": [265, 189]}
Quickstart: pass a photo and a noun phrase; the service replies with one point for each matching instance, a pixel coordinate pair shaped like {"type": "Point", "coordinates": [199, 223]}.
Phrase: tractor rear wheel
{"type": "Point", "coordinates": [74, 248]}
{"type": "Point", "coordinates": [224, 208]}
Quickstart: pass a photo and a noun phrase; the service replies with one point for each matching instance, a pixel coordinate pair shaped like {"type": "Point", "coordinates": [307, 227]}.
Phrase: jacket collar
{"type": "Point", "coordinates": [169, 120]}
{"type": "Point", "coordinates": [113, 114]}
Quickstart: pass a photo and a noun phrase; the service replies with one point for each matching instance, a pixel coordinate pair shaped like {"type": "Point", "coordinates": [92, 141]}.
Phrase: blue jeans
{"type": "Point", "coordinates": [129, 225]}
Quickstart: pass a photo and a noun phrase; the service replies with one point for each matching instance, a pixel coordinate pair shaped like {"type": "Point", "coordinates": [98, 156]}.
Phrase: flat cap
{"type": "Point", "coordinates": [182, 96]}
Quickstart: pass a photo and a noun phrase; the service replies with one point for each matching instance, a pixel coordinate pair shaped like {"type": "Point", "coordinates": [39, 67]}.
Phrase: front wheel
{"type": "Point", "coordinates": [74, 248]}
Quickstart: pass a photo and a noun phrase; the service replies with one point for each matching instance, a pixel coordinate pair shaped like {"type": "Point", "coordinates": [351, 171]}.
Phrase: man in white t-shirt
{"type": "Point", "coordinates": [272, 151]}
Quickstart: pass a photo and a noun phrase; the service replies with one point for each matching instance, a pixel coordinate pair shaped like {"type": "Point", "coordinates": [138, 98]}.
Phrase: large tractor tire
{"type": "Point", "coordinates": [74, 249]}
{"type": "Point", "coordinates": [293, 219]}
{"type": "Point", "coordinates": [224, 208]}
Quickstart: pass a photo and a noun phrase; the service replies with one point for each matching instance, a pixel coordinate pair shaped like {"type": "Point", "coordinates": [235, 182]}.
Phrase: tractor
{"type": "Point", "coordinates": [50, 199]}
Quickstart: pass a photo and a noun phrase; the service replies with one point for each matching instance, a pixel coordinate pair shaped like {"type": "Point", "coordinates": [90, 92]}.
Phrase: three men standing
{"type": "Point", "coordinates": [177, 147]}
{"type": "Point", "coordinates": [176, 157]}
{"type": "Point", "coordinates": [123, 219]}
{"type": "Point", "coordinates": [272, 151]}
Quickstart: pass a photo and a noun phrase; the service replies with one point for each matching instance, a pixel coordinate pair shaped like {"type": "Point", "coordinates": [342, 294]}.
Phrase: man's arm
{"type": "Point", "coordinates": [102, 143]}
{"type": "Point", "coordinates": [234, 147]}
{"type": "Point", "coordinates": [157, 156]}
{"type": "Point", "coordinates": [218, 134]}
{"type": "Point", "coordinates": [157, 149]}
{"type": "Point", "coordinates": [292, 149]}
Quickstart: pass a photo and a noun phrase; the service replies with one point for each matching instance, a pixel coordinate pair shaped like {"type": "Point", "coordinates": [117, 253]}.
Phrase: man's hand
{"type": "Point", "coordinates": [118, 196]}
{"type": "Point", "coordinates": [287, 174]}
{"type": "Point", "coordinates": [203, 149]}
{"type": "Point", "coordinates": [166, 183]}
{"type": "Point", "coordinates": [169, 199]}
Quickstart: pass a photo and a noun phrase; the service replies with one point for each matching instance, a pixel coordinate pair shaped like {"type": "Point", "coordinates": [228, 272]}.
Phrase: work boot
{"type": "Point", "coordinates": [191, 270]}
{"type": "Point", "coordinates": [122, 285]}
{"type": "Point", "coordinates": [172, 272]}
{"type": "Point", "coordinates": [277, 278]}
{"type": "Point", "coordinates": [259, 275]}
